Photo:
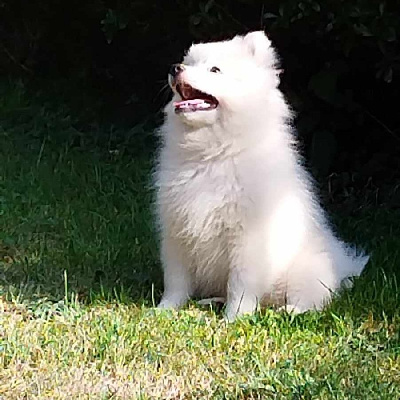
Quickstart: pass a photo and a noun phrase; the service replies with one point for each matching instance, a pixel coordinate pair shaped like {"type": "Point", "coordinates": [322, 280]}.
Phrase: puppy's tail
{"type": "Point", "coordinates": [351, 262]}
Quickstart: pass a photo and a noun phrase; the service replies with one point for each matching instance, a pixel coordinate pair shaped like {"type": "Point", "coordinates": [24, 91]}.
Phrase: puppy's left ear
{"type": "Point", "coordinates": [260, 48]}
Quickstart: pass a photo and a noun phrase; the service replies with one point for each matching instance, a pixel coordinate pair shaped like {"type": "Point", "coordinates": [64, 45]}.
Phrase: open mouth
{"type": "Point", "coordinates": [193, 99]}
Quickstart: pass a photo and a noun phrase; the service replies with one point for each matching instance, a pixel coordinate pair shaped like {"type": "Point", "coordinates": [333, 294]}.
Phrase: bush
{"type": "Point", "coordinates": [341, 59]}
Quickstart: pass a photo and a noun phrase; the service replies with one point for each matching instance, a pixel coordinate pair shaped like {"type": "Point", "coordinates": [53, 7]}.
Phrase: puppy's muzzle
{"type": "Point", "coordinates": [176, 69]}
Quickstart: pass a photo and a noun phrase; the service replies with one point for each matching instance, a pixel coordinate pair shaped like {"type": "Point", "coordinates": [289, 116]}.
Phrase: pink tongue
{"type": "Point", "coordinates": [187, 103]}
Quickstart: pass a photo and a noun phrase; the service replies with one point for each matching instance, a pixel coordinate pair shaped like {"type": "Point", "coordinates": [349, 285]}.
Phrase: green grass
{"type": "Point", "coordinates": [79, 273]}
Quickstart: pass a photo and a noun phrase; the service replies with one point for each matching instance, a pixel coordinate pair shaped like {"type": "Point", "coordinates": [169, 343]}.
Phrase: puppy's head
{"type": "Point", "coordinates": [218, 79]}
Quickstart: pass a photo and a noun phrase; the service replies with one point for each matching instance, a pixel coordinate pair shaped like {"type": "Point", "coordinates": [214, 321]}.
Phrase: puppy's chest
{"type": "Point", "coordinates": [204, 204]}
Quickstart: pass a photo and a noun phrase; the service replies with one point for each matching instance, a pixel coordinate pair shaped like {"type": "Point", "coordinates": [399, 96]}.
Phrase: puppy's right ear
{"type": "Point", "coordinates": [259, 46]}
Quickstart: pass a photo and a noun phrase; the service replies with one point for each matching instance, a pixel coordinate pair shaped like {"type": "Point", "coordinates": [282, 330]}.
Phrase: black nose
{"type": "Point", "coordinates": [175, 69]}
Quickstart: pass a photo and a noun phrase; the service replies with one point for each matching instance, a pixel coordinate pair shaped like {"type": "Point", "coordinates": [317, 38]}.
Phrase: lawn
{"type": "Point", "coordinates": [79, 275]}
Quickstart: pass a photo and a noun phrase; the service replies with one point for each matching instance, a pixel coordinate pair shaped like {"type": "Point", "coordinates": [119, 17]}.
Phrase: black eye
{"type": "Point", "coordinates": [215, 69]}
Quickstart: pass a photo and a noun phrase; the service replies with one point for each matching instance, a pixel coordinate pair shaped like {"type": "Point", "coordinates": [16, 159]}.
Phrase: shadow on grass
{"type": "Point", "coordinates": [76, 219]}
{"type": "Point", "coordinates": [79, 220]}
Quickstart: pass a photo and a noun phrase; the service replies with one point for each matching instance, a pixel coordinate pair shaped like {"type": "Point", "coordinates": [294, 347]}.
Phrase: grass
{"type": "Point", "coordinates": [79, 274]}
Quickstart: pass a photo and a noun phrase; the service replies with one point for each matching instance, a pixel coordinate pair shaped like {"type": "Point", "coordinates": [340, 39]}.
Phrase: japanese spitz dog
{"type": "Point", "coordinates": [238, 216]}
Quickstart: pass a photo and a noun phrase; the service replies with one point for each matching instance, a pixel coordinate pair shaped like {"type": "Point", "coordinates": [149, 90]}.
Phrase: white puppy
{"type": "Point", "coordinates": [238, 215]}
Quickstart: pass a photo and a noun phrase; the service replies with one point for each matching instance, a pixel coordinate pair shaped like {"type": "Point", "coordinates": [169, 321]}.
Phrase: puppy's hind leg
{"type": "Point", "coordinates": [311, 282]}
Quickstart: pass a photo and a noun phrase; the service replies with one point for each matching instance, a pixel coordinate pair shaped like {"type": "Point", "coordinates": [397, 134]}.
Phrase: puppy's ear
{"type": "Point", "coordinates": [259, 46]}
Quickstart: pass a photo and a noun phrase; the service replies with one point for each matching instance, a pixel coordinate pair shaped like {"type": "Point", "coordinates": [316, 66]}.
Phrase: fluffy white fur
{"type": "Point", "coordinates": [238, 216]}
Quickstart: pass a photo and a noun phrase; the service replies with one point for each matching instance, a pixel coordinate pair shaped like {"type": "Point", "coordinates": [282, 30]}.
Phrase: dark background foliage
{"type": "Point", "coordinates": [341, 60]}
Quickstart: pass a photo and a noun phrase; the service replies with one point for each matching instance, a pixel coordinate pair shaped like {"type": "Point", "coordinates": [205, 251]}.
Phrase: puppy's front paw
{"type": "Point", "coordinates": [230, 315]}
{"type": "Point", "coordinates": [166, 304]}
{"type": "Point", "coordinates": [173, 301]}
{"type": "Point", "coordinates": [244, 305]}
{"type": "Point", "coordinates": [290, 309]}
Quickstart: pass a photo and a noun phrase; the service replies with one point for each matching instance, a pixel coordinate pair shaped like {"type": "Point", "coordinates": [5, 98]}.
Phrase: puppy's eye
{"type": "Point", "coordinates": [215, 69]}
